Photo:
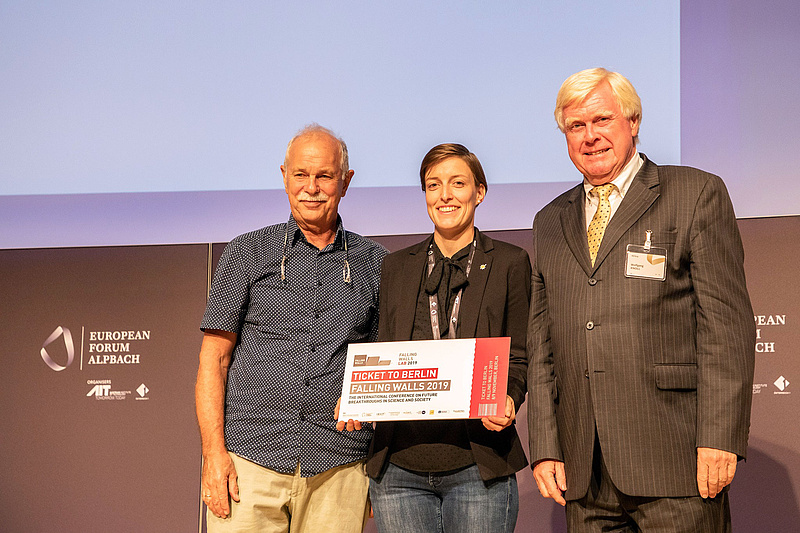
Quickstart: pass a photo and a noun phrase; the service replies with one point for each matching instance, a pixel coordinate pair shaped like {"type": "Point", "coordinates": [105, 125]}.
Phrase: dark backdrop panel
{"type": "Point", "coordinates": [101, 445]}
{"type": "Point", "coordinates": [766, 491]}
{"type": "Point", "coordinates": [89, 449]}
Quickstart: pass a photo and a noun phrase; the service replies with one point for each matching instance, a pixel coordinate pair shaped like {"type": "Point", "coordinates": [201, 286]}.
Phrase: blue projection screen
{"type": "Point", "coordinates": [152, 122]}
{"type": "Point", "coordinates": [115, 97]}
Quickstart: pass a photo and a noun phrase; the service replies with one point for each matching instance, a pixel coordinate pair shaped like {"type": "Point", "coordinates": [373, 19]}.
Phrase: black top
{"type": "Point", "coordinates": [494, 304]}
{"type": "Point", "coordinates": [435, 445]}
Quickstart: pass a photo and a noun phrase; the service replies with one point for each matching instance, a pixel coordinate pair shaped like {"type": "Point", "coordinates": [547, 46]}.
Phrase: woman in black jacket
{"type": "Point", "coordinates": [452, 475]}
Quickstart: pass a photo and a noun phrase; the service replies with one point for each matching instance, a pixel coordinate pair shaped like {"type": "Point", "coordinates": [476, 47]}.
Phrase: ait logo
{"type": "Point", "coordinates": [68, 344]}
{"type": "Point", "coordinates": [99, 390]}
{"type": "Point", "coordinates": [142, 390]}
{"type": "Point", "coordinates": [781, 383]}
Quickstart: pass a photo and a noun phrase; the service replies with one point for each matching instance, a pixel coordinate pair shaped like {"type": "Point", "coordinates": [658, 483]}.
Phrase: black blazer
{"type": "Point", "coordinates": [494, 304]}
{"type": "Point", "coordinates": [657, 368]}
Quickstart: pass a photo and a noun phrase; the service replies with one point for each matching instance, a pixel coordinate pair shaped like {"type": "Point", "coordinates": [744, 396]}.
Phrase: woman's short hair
{"type": "Point", "coordinates": [579, 85]}
{"type": "Point", "coordinates": [440, 152]}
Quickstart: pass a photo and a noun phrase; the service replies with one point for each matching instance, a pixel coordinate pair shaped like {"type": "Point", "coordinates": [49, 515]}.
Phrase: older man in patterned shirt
{"type": "Point", "coordinates": [285, 302]}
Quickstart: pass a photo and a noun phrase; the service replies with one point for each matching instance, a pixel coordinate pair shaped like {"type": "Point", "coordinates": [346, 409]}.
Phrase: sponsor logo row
{"type": "Point", "coordinates": [781, 386]}
{"type": "Point", "coordinates": [101, 390]}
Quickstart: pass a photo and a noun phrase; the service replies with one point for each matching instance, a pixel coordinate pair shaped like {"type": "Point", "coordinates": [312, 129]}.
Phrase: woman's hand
{"type": "Point", "coordinates": [499, 423]}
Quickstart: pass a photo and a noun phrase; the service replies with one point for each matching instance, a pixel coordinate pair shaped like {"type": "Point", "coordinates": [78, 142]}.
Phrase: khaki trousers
{"type": "Point", "coordinates": [334, 501]}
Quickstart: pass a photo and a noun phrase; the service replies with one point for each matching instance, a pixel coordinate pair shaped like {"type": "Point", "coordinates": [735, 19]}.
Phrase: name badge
{"type": "Point", "coordinates": [646, 262]}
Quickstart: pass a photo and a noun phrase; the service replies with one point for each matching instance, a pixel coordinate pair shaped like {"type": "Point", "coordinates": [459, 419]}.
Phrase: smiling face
{"type": "Point", "coordinates": [312, 176]}
{"type": "Point", "coordinates": [452, 195]}
{"type": "Point", "coordinates": [600, 140]}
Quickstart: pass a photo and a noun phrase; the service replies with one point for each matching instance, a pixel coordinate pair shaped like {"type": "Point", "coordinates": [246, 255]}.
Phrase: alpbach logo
{"type": "Point", "coordinates": [116, 349]}
{"type": "Point", "coordinates": [69, 345]}
{"type": "Point", "coordinates": [109, 348]}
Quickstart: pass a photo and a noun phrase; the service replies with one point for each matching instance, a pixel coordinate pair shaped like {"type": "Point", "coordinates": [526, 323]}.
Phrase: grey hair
{"type": "Point", "coordinates": [316, 129]}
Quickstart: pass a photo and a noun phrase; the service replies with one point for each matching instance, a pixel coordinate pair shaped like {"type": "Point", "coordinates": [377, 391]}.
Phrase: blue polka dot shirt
{"type": "Point", "coordinates": [288, 363]}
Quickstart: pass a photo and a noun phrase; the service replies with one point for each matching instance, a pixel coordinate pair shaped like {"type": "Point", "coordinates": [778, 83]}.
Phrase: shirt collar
{"type": "Point", "coordinates": [296, 233]}
{"type": "Point", "coordinates": [623, 180]}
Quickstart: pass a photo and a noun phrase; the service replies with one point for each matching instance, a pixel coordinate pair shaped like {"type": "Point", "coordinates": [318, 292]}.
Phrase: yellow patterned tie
{"type": "Point", "coordinates": [600, 219]}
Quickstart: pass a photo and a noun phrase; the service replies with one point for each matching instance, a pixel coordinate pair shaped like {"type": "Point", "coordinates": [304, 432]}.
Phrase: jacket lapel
{"type": "Point", "coordinates": [573, 222]}
{"type": "Point", "coordinates": [409, 282]}
{"type": "Point", "coordinates": [473, 294]}
{"type": "Point", "coordinates": [640, 196]}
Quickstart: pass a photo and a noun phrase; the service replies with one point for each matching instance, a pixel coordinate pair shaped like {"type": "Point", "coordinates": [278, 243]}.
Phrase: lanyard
{"type": "Point", "coordinates": [433, 299]}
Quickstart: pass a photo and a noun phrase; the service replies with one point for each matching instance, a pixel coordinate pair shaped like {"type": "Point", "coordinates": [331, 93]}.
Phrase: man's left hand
{"type": "Point", "coordinates": [715, 470]}
{"type": "Point", "coordinates": [499, 423]}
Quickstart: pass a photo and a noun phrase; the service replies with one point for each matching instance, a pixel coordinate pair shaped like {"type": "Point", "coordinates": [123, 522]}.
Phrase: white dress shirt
{"type": "Point", "coordinates": [623, 183]}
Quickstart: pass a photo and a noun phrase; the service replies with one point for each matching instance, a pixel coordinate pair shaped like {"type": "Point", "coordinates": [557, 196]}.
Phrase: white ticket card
{"type": "Point", "coordinates": [422, 380]}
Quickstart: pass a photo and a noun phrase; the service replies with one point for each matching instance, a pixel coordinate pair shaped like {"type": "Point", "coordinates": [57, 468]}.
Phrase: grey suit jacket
{"type": "Point", "coordinates": [495, 304]}
{"type": "Point", "coordinates": [659, 368]}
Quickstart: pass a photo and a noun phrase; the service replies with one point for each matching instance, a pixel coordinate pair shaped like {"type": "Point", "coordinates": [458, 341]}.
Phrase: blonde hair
{"type": "Point", "coordinates": [579, 85]}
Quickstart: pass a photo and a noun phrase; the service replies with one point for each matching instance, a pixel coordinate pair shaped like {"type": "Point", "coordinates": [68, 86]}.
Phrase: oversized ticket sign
{"type": "Point", "coordinates": [425, 380]}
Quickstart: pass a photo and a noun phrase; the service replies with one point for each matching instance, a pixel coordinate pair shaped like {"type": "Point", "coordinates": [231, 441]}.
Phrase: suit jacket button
{"type": "Point", "coordinates": [592, 282]}
{"type": "Point", "coordinates": [586, 373]}
{"type": "Point", "coordinates": [590, 325]}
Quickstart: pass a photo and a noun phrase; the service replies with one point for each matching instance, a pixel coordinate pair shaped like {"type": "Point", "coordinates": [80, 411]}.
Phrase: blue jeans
{"type": "Point", "coordinates": [407, 502]}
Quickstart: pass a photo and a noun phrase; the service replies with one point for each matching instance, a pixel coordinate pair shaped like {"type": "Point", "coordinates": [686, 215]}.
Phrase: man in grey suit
{"type": "Point", "coordinates": [641, 334]}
